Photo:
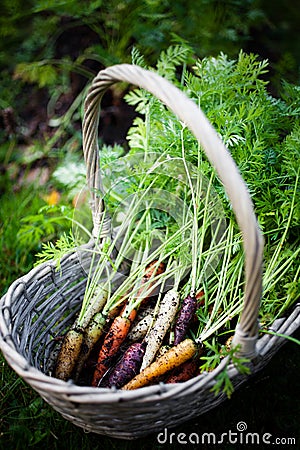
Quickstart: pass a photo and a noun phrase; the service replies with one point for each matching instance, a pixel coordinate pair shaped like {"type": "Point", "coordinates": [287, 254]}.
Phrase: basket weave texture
{"type": "Point", "coordinates": [40, 305]}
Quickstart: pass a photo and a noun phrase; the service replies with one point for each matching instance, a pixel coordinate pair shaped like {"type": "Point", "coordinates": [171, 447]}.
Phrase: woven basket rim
{"type": "Point", "coordinates": [110, 395]}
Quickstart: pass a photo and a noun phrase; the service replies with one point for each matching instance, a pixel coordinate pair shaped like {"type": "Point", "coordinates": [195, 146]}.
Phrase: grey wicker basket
{"type": "Point", "coordinates": [39, 306]}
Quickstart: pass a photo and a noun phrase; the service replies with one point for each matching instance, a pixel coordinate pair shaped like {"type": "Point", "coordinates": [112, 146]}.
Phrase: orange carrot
{"type": "Point", "coordinates": [200, 298]}
{"type": "Point", "coordinates": [112, 342]}
{"type": "Point", "coordinates": [153, 269]}
{"type": "Point", "coordinates": [129, 313]}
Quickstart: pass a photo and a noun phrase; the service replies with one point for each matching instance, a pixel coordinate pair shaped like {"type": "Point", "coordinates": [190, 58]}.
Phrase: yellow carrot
{"type": "Point", "coordinates": [168, 361]}
{"type": "Point", "coordinates": [69, 353]}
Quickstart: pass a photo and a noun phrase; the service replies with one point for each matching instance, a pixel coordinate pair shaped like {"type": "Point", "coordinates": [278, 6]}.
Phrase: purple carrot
{"type": "Point", "coordinates": [128, 366]}
{"type": "Point", "coordinates": [184, 318]}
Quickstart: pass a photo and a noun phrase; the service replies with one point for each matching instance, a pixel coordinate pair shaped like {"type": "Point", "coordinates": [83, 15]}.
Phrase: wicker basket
{"type": "Point", "coordinates": [39, 305]}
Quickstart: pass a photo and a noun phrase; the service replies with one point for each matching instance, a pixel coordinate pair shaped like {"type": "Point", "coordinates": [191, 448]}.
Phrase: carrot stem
{"type": "Point", "coordinates": [91, 336]}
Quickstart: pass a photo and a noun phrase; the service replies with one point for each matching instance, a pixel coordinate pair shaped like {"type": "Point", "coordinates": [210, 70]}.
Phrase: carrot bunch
{"type": "Point", "coordinates": [141, 362]}
{"type": "Point", "coordinates": [120, 326]}
{"type": "Point", "coordinates": [135, 325]}
{"type": "Point", "coordinates": [145, 326]}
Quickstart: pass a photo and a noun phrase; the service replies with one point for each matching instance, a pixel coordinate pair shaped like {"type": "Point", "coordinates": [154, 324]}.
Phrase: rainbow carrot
{"type": "Point", "coordinates": [79, 340]}
{"type": "Point", "coordinates": [165, 363]}
{"type": "Point", "coordinates": [139, 329]}
{"type": "Point", "coordinates": [184, 372]}
{"type": "Point", "coordinates": [114, 338]}
{"type": "Point", "coordinates": [120, 326]}
{"type": "Point", "coordinates": [166, 314]}
{"type": "Point", "coordinates": [185, 317]}
{"type": "Point", "coordinates": [68, 354]}
{"type": "Point", "coordinates": [91, 336]}
{"type": "Point", "coordinates": [128, 366]}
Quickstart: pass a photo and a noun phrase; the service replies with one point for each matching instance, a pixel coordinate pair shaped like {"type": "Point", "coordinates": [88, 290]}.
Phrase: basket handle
{"type": "Point", "coordinates": [187, 111]}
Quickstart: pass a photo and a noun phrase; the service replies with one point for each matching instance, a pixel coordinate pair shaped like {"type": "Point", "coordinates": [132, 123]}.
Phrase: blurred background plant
{"type": "Point", "coordinates": [49, 50]}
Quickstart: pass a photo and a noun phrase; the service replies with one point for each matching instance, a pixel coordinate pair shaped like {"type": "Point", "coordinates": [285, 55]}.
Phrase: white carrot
{"type": "Point", "coordinates": [166, 314]}
{"type": "Point", "coordinates": [96, 304]}
{"type": "Point", "coordinates": [139, 330]}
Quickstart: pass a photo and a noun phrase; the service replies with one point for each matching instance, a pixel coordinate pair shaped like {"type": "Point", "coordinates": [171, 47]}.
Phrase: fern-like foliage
{"type": "Point", "coordinates": [261, 132]}
{"type": "Point", "coordinates": [67, 243]}
{"type": "Point", "coordinates": [172, 58]}
{"type": "Point", "coordinates": [137, 58]}
{"type": "Point", "coordinates": [40, 72]}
